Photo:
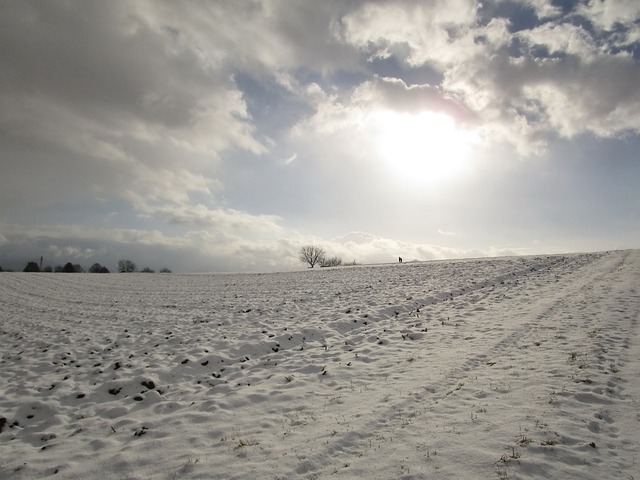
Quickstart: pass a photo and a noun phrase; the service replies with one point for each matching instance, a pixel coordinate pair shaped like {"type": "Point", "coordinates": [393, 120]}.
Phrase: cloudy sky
{"type": "Point", "coordinates": [223, 135]}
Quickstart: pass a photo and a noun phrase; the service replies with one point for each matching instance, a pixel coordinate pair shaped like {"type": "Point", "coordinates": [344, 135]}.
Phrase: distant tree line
{"type": "Point", "coordinates": [127, 266]}
{"type": "Point", "coordinates": [124, 266]}
{"type": "Point", "coordinates": [66, 268]}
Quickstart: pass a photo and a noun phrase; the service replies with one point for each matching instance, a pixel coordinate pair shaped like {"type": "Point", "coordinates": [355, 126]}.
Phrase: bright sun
{"type": "Point", "coordinates": [421, 149]}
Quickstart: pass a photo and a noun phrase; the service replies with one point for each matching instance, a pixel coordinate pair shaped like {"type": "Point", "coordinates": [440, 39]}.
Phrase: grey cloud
{"type": "Point", "coordinates": [195, 251]}
{"type": "Point", "coordinates": [97, 56]}
{"type": "Point", "coordinates": [111, 62]}
{"type": "Point", "coordinates": [250, 35]}
{"type": "Point", "coordinates": [99, 96]}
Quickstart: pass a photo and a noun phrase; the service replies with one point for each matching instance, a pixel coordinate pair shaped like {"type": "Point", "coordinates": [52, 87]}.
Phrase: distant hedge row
{"type": "Point", "coordinates": [124, 266]}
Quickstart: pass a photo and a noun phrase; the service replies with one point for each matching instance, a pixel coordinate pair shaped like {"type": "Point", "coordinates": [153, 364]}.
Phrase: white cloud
{"type": "Point", "coordinates": [563, 39]}
{"type": "Point", "coordinates": [233, 224]}
{"type": "Point", "coordinates": [70, 252]}
{"type": "Point", "coordinates": [163, 186]}
{"type": "Point", "coordinates": [369, 248]}
{"type": "Point", "coordinates": [606, 14]}
{"type": "Point", "coordinates": [544, 8]}
{"type": "Point", "coordinates": [394, 94]}
{"type": "Point", "coordinates": [419, 32]}
{"type": "Point", "coordinates": [598, 97]}
{"type": "Point", "coordinates": [503, 92]}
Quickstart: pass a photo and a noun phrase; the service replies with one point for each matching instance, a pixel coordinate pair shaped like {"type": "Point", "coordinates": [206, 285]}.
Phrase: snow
{"type": "Point", "coordinates": [518, 368]}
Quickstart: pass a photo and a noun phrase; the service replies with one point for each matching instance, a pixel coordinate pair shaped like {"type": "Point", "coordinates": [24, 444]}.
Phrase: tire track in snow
{"type": "Point", "coordinates": [490, 352]}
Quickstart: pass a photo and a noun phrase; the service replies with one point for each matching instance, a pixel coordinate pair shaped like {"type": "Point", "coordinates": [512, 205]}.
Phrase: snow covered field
{"type": "Point", "coordinates": [525, 367]}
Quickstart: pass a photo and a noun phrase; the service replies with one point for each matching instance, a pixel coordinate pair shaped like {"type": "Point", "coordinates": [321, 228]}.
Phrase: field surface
{"type": "Point", "coordinates": [507, 368]}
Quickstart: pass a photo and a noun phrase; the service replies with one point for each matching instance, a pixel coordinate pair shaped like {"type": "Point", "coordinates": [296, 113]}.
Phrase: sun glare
{"type": "Point", "coordinates": [422, 149]}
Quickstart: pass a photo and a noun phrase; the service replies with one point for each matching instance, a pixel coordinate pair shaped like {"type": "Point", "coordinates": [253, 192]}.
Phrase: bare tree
{"type": "Point", "coordinates": [311, 254]}
{"type": "Point", "coordinates": [331, 262]}
{"type": "Point", "coordinates": [126, 266]}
